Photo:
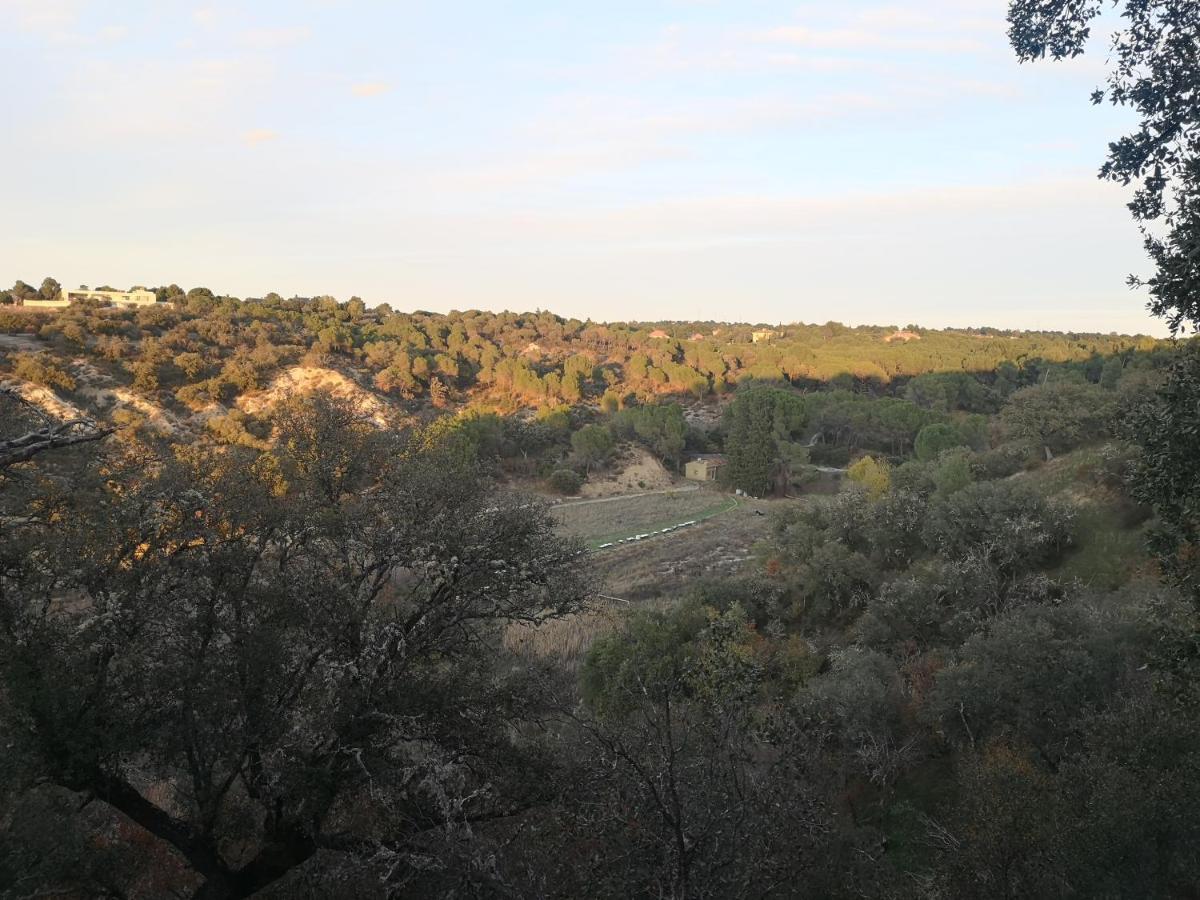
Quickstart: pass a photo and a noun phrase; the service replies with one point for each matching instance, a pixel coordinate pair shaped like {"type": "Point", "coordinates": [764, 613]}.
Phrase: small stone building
{"type": "Point", "coordinates": [704, 468]}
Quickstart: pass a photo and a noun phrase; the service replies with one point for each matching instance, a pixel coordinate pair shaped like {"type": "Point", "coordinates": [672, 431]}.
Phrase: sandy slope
{"type": "Point", "coordinates": [633, 471]}
{"type": "Point", "coordinates": [305, 380]}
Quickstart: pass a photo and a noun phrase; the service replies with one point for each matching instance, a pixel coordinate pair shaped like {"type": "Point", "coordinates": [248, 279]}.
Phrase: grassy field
{"type": "Point", "coordinates": [1110, 541]}
{"type": "Point", "coordinates": [649, 572]}
{"type": "Point", "coordinates": [722, 545]}
{"type": "Point", "coordinates": [612, 520]}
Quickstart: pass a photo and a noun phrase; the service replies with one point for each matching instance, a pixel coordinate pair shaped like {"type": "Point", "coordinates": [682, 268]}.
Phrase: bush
{"type": "Point", "coordinates": [1005, 460]}
{"type": "Point", "coordinates": [953, 471]}
{"type": "Point", "coordinates": [43, 369]}
{"type": "Point", "coordinates": [874, 475]}
{"type": "Point", "coordinates": [1011, 526]}
{"type": "Point", "coordinates": [566, 481]}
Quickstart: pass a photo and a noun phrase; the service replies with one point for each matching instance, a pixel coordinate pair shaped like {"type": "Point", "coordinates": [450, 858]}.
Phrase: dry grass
{"type": "Point", "coordinates": [610, 520]}
{"type": "Point", "coordinates": [660, 566]}
{"type": "Point", "coordinates": [564, 640]}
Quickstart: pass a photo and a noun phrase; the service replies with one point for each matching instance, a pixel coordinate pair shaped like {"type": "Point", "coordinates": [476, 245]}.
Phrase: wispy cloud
{"type": "Point", "coordinates": [370, 88]}
{"type": "Point", "coordinates": [274, 38]}
{"type": "Point", "coordinates": [205, 16]}
{"type": "Point", "coordinates": [47, 16]}
{"type": "Point", "coordinates": [256, 136]}
{"type": "Point", "coordinates": [868, 39]}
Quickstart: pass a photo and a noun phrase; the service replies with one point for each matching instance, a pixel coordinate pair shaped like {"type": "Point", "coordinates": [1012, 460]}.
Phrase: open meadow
{"type": "Point", "coordinates": [598, 522]}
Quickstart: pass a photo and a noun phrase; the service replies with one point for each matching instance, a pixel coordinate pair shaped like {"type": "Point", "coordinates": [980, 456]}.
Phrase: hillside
{"type": "Point", "coordinates": [919, 588]}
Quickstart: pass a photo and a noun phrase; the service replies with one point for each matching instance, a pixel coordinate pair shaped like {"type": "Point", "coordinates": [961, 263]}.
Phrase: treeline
{"type": "Point", "coordinates": [207, 348]}
{"type": "Point", "coordinates": [774, 436]}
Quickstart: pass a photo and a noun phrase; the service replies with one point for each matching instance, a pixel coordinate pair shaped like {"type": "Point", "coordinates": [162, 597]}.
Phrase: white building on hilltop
{"type": "Point", "coordinates": [116, 298]}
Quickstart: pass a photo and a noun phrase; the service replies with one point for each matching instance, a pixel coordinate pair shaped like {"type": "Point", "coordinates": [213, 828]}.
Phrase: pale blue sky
{"type": "Point", "coordinates": [869, 162]}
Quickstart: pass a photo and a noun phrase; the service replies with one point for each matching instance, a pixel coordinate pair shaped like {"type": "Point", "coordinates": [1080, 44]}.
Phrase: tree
{"type": "Point", "coordinates": [593, 444]}
{"type": "Point", "coordinates": [1008, 525]}
{"type": "Point", "coordinates": [759, 423]}
{"type": "Point", "coordinates": [1110, 375]}
{"type": "Point", "coordinates": [1058, 416]}
{"type": "Point", "coordinates": [1154, 70]}
{"type": "Point", "coordinates": [22, 292]}
{"type": "Point", "coordinates": [45, 433]}
{"type": "Point", "coordinates": [1167, 476]}
{"type": "Point", "coordinates": [661, 427]}
{"type": "Point", "coordinates": [933, 439]}
{"type": "Point", "coordinates": [50, 289]}
{"type": "Point", "coordinates": [687, 794]}
{"type": "Point", "coordinates": [270, 657]}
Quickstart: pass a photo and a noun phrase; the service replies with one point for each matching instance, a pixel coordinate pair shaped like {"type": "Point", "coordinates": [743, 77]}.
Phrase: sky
{"type": "Point", "coordinates": [864, 161]}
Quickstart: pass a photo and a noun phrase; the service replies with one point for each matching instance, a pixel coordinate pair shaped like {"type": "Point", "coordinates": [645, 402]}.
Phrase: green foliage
{"type": "Point", "coordinates": [933, 439]}
{"type": "Point", "coordinates": [593, 444]}
{"type": "Point", "coordinates": [565, 481]}
{"type": "Point", "coordinates": [43, 369]}
{"type": "Point", "coordinates": [278, 607]}
{"type": "Point", "coordinates": [660, 427]}
{"type": "Point", "coordinates": [473, 437]}
{"type": "Point", "coordinates": [652, 654]}
{"type": "Point", "coordinates": [1011, 526]}
{"type": "Point", "coordinates": [953, 472]}
{"type": "Point", "coordinates": [759, 425]}
{"type": "Point", "coordinates": [1029, 674]}
{"type": "Point", "coordinates": [1058, 416]}
{"type": "Point", "coordinates": [950, 392]}
{"type": "Point", "coordinates": [235, 428]}
{"type": "Point", "coordinates": [1167, 476]}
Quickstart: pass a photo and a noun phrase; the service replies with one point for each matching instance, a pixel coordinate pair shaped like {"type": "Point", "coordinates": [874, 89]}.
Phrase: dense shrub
{"type": "Point", "coordinates": [566, 481]}
{"type": "Point", "coordinates": [43, 369]}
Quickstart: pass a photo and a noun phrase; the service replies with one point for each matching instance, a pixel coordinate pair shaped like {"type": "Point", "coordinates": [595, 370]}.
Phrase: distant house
{"type": "Point", "coordinates": [704, 467]}
{"type": "Point", "coordinates": [905, 336]}
{"type": "Point", "coordinates": [659, 335]}
{"type": "Point", "coordinates": [761, 336]}
{"type": "Point", "coordinates": [116, 298]}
